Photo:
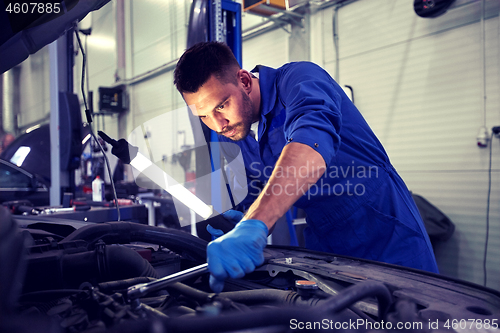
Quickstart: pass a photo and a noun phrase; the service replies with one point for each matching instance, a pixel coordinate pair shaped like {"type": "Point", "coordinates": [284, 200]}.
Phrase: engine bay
{"type": "Point", "coordinates": [58, 278]}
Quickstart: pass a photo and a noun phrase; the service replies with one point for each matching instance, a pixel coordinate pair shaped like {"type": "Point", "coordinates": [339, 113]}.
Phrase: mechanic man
{"type": "Point", "coordinates": [324, 159]}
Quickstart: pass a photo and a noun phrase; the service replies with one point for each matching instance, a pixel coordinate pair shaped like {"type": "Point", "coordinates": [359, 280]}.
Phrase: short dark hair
{"type": "Point", "coordinates": [200, 62]}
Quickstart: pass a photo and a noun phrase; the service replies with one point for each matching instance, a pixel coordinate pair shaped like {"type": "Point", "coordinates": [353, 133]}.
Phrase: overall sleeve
{"type": "Point", "coordinates": [312, 103]}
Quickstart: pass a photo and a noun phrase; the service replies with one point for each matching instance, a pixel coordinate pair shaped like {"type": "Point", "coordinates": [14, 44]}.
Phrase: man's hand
{"type": "Point", "coordinates": [236, 253]}
{"type": "Point", "coordinates": [121, 148]}
{"type": "Point", "coordinates": [231, 215]}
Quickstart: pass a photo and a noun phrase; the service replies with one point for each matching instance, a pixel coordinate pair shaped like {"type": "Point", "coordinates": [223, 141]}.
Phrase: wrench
{"type": "Point", "coordinates": [142, 289]}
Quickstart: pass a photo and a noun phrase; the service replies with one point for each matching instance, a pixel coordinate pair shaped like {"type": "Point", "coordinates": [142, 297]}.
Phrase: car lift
{"type": "Point", "coordinates": [221, 22]}
{"type": "Point", "coordinates": [218, 20]}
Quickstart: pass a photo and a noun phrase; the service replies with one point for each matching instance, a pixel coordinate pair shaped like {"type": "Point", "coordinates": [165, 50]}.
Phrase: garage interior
{"type": "Point", "coordinates": [428, 87]}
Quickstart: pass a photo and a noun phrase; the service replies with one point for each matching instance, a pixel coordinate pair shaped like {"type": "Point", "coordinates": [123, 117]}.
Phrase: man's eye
{"type": "Point", "coordinates": [221, 107]}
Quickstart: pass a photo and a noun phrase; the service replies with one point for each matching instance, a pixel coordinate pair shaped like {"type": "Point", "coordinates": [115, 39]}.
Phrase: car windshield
{"type": "Point", "coordinates": [12, 178]}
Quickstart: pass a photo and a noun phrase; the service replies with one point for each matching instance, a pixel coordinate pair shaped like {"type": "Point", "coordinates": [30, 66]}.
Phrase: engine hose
{"type": "Point", "coordinates": [125, 232]}
{"type": "Point", "coordinates": [247, 297]}
{"type": "Point", "coordinates": [358, 292]}
{"type": "Point", "coordinates": [59, 270]}
{"type": "Point", "coordinates": [190, 292]}
{"type": "Point", "coordinates": [118, 262]}
{"type": "Point", "coordinates": [270, 296]}
{"type": "Point", "coordinates": [147, 310]}
{"type": "Point", "coordinates": [177, 311]}
{"type": "Point", "coordinates": [285, 315]}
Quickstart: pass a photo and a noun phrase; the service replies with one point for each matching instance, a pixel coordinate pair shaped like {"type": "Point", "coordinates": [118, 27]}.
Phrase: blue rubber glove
{"type": "Point", "coordinates": [231, 215]}
{"type": "Point", "coordinates": [216, 233]}
{"type": "Point", "coordinates": [236, 253]}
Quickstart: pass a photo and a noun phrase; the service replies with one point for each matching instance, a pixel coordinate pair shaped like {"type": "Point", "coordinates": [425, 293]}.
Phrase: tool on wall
{"type": "Point", "coordinates": [431, 8]}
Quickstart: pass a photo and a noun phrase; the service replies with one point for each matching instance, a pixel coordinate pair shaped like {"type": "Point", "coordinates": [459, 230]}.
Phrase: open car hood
{"type": "Point", "coordinates": [27, 26]}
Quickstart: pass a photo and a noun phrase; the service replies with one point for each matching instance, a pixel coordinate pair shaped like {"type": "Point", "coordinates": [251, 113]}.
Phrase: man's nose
{"type": "Point", "coordinates": [220, 123]}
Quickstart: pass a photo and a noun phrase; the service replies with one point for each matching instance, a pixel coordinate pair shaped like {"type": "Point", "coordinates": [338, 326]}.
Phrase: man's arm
{"type": "Point", "coordinates": [239, 251]}
{"type": "Point", "coordinates": [297, 169]}
{"type": "Point", "coordinates": [313, 121]}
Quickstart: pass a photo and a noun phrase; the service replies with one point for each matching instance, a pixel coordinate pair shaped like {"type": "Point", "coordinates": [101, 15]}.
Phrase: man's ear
{"type": "Point", "coordinates": [246, 80]}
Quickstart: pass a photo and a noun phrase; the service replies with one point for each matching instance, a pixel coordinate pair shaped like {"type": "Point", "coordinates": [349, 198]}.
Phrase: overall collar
{"type": "Point", "coordinates": [267, 85]}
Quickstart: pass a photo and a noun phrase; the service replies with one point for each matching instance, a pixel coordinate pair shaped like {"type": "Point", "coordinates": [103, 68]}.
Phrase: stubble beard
{"type": "Point", "coordinates": [242, 127]}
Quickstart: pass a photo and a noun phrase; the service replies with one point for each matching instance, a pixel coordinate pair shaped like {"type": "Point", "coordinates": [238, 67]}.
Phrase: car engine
{"type": "Point", "coordinates": [58, 278]}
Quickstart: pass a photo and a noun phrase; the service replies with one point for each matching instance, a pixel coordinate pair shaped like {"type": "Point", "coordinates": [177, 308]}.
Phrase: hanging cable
{"type": "Point", "coordinates": [485, 275]}
{"type": "Point", "coordinates": [89, 121]}
{"type": "Point", "coordinates": [483, 59]}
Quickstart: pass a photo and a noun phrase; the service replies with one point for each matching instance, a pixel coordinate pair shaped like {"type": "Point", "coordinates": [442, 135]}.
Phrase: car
{"type": "Point", "coordinates": [18, 184]}
{"type": "Point", "coordinates": [31, 151]}
{"type": "Point", "coordinates": [28, 154]}
{"type": "Point", "coordinates": [124, 277]}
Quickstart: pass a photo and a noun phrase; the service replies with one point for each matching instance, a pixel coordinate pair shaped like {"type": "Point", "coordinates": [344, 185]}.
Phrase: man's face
{"type": "Point", "coordinates": [224, 107]}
